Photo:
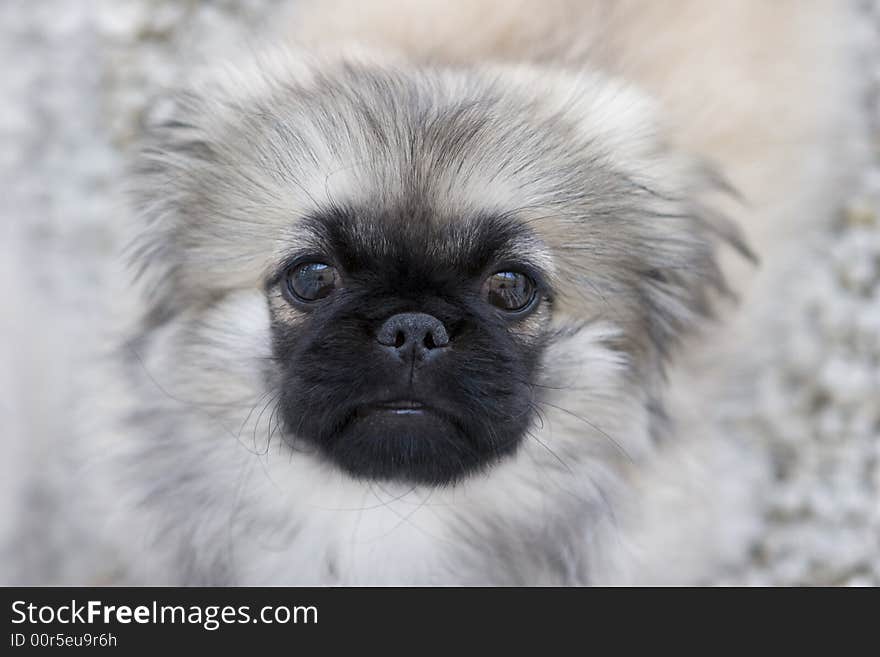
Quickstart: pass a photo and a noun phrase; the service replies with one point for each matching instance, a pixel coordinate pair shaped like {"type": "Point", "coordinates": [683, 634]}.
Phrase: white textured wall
{"type": "Point", "coordinates": [77, 73]}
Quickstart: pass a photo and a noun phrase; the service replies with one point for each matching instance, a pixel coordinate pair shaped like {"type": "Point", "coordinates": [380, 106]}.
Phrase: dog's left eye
{"type": "Point", "coordinates": [310, 281]}
{"type": "Point", "coordinates": [509, 290]}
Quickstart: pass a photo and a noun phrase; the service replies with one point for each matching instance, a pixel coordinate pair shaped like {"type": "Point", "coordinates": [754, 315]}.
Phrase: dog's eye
{"type": "Point", "coordinates": [509, 290]}
{"type": "Point", "coordinates": [310, 281]}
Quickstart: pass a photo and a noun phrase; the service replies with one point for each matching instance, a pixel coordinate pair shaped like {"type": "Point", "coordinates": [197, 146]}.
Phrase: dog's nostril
{"type": "Point", "coordinates": [429, 340]}
{"type": "Point", "coordinates": [399, 339]}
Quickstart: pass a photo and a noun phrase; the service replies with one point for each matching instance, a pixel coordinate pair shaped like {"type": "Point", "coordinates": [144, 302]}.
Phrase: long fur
{"type": "Point", "coordinates": [615, 132]}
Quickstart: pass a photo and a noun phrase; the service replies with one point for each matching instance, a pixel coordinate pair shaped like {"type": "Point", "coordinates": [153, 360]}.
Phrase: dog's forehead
{"type": "Point", "coordinates": [420, 171]}
{"type": "Point", "coordinates": [459, 145]}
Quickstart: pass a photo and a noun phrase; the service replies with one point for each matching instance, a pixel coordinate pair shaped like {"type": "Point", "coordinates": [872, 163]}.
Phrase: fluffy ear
{"type": "Point", "coordinates": [675, 233]}
{"type": "Point", "coordinates": [681, 272]}
{"type": "Point", "coordinates": [173, 148]}
{"type": "Point", "coordinates": [645, 260]}
{"type": "Point", "coordinates": [206, 179]}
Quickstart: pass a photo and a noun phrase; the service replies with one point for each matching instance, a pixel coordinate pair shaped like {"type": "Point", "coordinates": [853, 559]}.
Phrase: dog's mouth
{"type": "Point", "coordinates": [399, 407]}
{"type": "Point", "coordinates": [399, 415]}
{"type": "Point", "coordinates": [415, 439]}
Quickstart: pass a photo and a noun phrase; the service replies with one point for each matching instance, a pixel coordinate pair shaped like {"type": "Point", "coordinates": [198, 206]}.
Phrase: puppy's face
{"type": "Point", "coordinates": [427, 245]}
{"type": "Point", "coordinates": [407, 341]}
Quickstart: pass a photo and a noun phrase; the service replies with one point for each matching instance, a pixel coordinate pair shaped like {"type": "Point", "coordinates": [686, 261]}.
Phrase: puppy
{"type": "Point", "coordinates": [424, 291]}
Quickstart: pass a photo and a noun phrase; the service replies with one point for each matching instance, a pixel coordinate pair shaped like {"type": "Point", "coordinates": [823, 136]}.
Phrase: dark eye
{"type": "Point", "coordinates": [310, 281]}
{"type": "Point", "coordinates": [509, 290]}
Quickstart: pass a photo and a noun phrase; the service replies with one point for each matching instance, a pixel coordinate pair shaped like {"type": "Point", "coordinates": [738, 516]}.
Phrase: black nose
{"type": "Point", "coordinates": [413, 334]}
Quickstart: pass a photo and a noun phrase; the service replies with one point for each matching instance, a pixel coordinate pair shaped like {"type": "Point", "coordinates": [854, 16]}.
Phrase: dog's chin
{"type": "Point", "coordinates": [410, 442]}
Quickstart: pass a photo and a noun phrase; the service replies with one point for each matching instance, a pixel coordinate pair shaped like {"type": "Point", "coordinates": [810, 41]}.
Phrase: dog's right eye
{"type": "Point", "coordinates": [310, 281]}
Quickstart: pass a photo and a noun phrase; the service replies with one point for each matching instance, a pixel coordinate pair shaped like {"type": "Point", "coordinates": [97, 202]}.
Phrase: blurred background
{"type": "Point", "coordinates": [77, 77]}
